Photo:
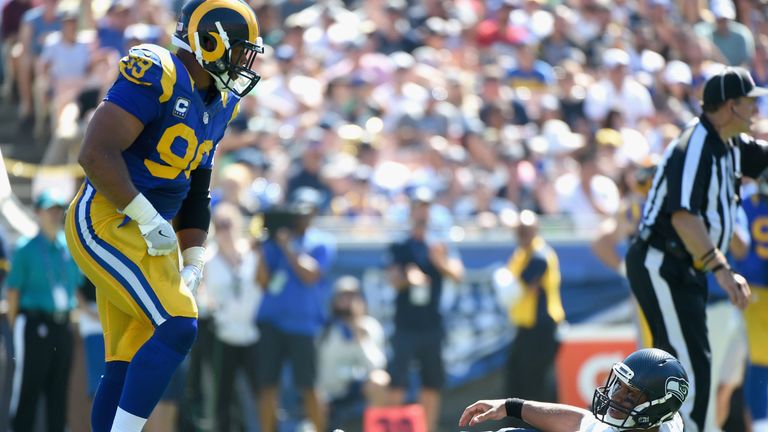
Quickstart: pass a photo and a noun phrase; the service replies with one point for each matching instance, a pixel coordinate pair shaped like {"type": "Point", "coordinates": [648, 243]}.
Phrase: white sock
{"type": "Point", "coordinates": [127, 422]}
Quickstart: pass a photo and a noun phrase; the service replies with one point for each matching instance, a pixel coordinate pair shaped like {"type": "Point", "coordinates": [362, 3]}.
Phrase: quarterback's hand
{"type": "Point", "coordinates": [191, 275]}
{"type": "Point", "coordinates": [483, 410]}
{"type": "Point", "coordinates": [157, 232]}
{"type": "Point", "coordinates": [159, 235]}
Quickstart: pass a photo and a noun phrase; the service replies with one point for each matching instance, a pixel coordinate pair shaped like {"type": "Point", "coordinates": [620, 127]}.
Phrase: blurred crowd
{"type": "Point", "coordinates": [496, 106]}
{"type": "Point", "coordinates": [487, 107]}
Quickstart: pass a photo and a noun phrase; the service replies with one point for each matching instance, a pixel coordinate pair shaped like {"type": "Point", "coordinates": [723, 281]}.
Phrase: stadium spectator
{"type": "Point", "coordinates": [293, 272]}
{"type": "Point", "coordinates": [637, 395]}
{"type": "Point", "coordinates": [530, 370]}
{"type": "Point", "coordinates": [618, 90]}
{"type": "Point", "coordinates": [10, 26]}
{"type": "Point", "coordinates": [587, 196]}
{"type": "Point", "coordinates": [732, 38]}
{"type": "Point", "coordinates": [62, 69]}
{"type": "Point", "coordinates": [230, 281]}
{"type": "Point", "coordinates": [351, 357]}
{"type": "Point", "coordinates": [419, 266]}
{"type": "Point", "coordinates": [41, 296]}
{"type": "Point", "coordinates": [36, 25]}
{"type": "Point", "coordinates": [6, 342]}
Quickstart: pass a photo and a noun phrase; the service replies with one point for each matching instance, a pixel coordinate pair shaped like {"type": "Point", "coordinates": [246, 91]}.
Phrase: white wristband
{"type": "Point", "coordinates": [194, 255]}
{"type": "Point", "coordinates": [140, 210]}
{"type": "Point", "coordinates": [622, 270]}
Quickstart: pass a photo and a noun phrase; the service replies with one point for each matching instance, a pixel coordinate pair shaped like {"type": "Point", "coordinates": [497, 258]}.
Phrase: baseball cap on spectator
{"type": "Point", "coordinates": [678, 72]}
{"type": "Point", "coordinates": [731, 83]}
{"type": "Point", "coordinates": [307, 196]}
{"type": "Point", "coordinates": [422, 194]}
{"type": "Point", "coordinates": [556, 138]}
{"type": "Point", "coordinates": [395, 6]}
{"type": "Point", "coordinates": [346, 284]}
{"type": "Point", "coordinates": [723, 9]}
{"type": "Point", "coordinates": [402, 60]}
{"type": "Point", "coordinates": [49, 199]}
{"type": "Point", "coordinates": [120, 6]}
{"type": "Point", "coordinates": [252, 157]}
{"type": "Point", "coordinates": [651, 61]}
{"type": "Point", "coordinates": [663, 3]}
{"type": "Point", "coordinates": [614, 57]}
{"type": "Point", "coordinates": [285, 52]}
{"type": "Point", "coordinates": [68, 14]}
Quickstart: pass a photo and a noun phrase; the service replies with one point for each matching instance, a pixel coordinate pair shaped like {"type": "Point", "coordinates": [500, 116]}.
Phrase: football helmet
{"type": "Point", "coordinates": [657, 387]}
{"type": "Point", "coordinates": [224, 37]}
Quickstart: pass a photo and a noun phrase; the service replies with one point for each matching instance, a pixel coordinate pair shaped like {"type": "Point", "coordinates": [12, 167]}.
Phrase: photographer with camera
{"type": "Point", "coordinates": [419, 265]}
{"type": "Point", "coordinates": [296, 259]}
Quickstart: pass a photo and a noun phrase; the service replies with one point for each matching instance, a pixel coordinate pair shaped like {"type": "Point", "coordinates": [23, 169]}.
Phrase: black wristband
{"type": "Point", "coordinates": [514, 407]}
{"type": "Point", "coordinates": [717, 268]}
{"type": "Point", "coordinates": [709, 254]}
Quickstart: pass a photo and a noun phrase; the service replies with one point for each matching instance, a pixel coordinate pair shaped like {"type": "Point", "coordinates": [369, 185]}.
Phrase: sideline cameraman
{"type": "Point", "coordinates": [294, 273]}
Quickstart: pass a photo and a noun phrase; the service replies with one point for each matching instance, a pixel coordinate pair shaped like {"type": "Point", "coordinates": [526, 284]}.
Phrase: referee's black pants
{"type": "Point", "coordinates": [673, 297]}
{"type": "Point", "coordinates": [43, 349]}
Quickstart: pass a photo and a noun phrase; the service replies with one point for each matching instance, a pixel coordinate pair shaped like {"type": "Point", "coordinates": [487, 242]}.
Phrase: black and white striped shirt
{"type": "Point", "coordinates": [701, 174]}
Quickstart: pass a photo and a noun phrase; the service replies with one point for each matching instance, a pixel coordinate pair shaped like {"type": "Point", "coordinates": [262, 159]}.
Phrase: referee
{"type": "Point", "coordinates": [687, 223]}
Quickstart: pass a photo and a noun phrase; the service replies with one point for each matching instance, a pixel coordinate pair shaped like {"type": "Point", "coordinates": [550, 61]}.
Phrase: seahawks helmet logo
{"type": "Point", "coordinates": [678, 387]}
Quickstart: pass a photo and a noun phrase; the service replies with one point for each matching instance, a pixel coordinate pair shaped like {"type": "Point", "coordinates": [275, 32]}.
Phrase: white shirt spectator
{"type": "Point", "coordinates": [633, 101]}
{"type": "Point", "coordinates": [574, 202]}
{"type": "Point", "coordinates": [67, 61]}
{"type": "Point", "coordinates": [342, 359]}
{"type": "Point", "coordinates": [235, 296]}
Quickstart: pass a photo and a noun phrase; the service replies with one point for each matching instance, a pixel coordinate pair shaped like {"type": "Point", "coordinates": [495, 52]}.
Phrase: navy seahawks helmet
{"type": "Point", "coordinates": [660, 381]}
{"type": "Point", "coordinates": [225, 38]}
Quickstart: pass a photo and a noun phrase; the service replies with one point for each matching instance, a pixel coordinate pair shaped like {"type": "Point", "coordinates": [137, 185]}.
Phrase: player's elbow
{"type": "Point", "coordinates": [86, 157]}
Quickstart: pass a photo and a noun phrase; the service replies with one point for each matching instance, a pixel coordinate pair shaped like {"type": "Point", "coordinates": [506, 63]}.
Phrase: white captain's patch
{"type": "Point", "coordinates": [180, 107]}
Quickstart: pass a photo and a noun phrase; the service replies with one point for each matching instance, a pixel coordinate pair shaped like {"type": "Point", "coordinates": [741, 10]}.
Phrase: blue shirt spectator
{"type": "Point", "coordinates": [290, 304]}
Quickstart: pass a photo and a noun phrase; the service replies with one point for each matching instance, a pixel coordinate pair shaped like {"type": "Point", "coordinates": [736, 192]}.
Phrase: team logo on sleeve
{"type": "Point", "coordinates": [181, 107]}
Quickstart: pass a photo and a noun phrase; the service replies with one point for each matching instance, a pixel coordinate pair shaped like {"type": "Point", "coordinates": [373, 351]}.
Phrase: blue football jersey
{"type": "Point", "coordinates": [180, 131]}
{"type": "Point", "coordinates": [754, 266]}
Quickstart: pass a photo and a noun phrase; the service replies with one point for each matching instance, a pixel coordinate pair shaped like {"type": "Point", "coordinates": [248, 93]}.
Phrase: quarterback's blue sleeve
{"type": "Point", "coordinates": [535, 269]}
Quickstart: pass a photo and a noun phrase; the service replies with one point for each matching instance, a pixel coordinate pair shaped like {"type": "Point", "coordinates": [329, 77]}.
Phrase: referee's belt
{"type": "Point", "coordinates": [45, 316]}
{"type": "Point", "coordinates": [673, 247]}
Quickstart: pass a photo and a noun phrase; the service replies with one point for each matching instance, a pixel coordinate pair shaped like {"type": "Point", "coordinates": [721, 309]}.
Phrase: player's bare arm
{"type": "Point", "coordinates": [547, 417]}
{"type": "Point", "coordinates": [692, 231]}
{"type": "Point", "coordinates": [109, 133]}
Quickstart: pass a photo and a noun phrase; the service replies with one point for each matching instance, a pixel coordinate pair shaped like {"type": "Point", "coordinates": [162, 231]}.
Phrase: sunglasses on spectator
{"type": "Point", "coordinates": [222, 225]}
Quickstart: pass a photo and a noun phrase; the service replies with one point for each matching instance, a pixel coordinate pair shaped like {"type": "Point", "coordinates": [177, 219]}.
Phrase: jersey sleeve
{"type": "Point", "coordinates": [144, 83]}
{"type": "Point", "coordinates": [754, 155]}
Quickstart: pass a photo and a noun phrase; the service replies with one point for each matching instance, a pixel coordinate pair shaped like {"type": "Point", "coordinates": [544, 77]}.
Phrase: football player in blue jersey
{"type": "Point", "coordinates": [754, 267]}
{"type": "Point", "coordinates": [147, 155]}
